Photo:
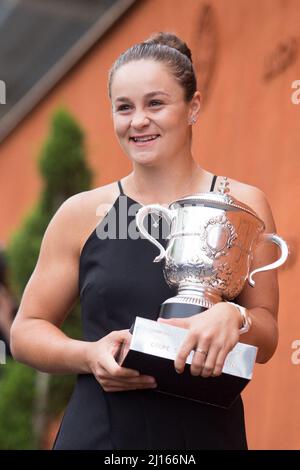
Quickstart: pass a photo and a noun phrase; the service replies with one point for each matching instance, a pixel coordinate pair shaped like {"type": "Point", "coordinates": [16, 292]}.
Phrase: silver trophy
{"type": "Point", "coordinates": [211, 242]}
{"type": "Point", "coordinates": [210, 248]}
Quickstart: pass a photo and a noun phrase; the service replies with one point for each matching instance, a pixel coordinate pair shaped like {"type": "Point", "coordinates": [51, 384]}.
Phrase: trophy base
{"type": "Point", "coordinates": [179, 310]}
{"type": "Point", "coordinates": [154, 347]}
{"type": "Point", "coordinates": [189, 301]}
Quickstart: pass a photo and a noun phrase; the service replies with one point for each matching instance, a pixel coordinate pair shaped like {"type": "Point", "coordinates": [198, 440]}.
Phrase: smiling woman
{"type": "Point", "coordinates": [155, 103]}
{"type": "Point", "coordinates": [151, 122]}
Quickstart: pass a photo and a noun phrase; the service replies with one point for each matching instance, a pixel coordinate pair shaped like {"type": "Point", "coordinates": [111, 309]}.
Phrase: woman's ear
{"type": "Point", "coordinates": [195, 106]}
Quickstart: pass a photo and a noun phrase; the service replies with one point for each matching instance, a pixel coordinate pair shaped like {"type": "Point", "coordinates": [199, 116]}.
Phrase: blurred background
{"type": "Point", "coordinates": [56, 139]}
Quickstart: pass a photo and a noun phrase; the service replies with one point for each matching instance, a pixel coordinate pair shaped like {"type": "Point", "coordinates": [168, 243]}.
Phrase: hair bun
{"type": "Point", "coordinates": [171, 40]}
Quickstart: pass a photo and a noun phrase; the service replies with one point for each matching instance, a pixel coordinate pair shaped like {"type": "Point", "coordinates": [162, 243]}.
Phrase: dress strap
{"type": "Point", "coordinates": [212, 187]}
{"type": "Point", "coordinates": [121, 189]}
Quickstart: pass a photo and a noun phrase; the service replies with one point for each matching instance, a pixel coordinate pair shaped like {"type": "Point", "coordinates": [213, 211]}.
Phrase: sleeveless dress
{"type": "Point", "coordinates": [118, 281]}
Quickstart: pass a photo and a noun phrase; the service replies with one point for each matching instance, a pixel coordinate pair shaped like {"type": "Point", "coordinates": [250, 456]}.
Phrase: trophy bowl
{"type": "Point", "coordinates": [209, 250]}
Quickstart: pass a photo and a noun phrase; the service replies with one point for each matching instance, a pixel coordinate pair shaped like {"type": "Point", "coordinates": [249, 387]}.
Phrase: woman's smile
{"type": "Point", "coordinates": [146, 140]}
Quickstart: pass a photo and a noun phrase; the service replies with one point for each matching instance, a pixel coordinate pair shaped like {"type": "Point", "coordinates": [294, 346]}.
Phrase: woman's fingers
{"type": "Point", "coordinates": [113, 369]}
{"type": "Point", "coordinates": [180, 322]}
{"type": "Point", "coordinates": [109, 362]}
{"type": "Point", "coordinates": [141, 380]}
{"type": "Point", "coordinates": [198, 361]}
{"type": "Point", "coordinates": [124, 388]}
{"type": "Point", "coordinates": [210, 361]}
{"type": "Point", "coordinates": [214, 362]}
{"type": "Point", "coordinates": [185, 349]}
{"type": "Point", "coordinates": [108, 372]}
{"type": "Point", "coordinates": [113, 384]}
{"type": "Point", "coordinates": [119, 335]}
{"type": "Point", "coordinates": [219, 364]}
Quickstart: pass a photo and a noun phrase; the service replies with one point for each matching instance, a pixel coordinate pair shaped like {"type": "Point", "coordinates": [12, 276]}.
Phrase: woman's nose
{"type": "Point", "coordinates": [139, 120]}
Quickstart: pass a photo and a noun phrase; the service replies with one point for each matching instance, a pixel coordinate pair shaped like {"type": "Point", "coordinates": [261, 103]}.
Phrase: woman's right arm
{"type": "Point", "coordinates": [36, 337]}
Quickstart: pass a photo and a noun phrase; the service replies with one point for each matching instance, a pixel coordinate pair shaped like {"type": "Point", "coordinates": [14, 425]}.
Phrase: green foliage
{"type": "Point", "coordinates": [65, 173]}
{"type": "Point", "coordinates": [16, 404]}
{"type": "Point", "coordinates": [24, 248]}
{"type": "Point", "coordinates": [62, 161]}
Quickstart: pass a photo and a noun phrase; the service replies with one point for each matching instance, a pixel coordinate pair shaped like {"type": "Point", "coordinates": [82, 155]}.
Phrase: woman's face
{"type": "Point", "coordinates": [150, 114]}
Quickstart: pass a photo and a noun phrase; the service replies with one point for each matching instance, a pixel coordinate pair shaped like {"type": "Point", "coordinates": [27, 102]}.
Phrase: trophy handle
{"type": "Point", "coordinates": [140, 216]}
{"type": "Point", "coordinates": [271, 237]}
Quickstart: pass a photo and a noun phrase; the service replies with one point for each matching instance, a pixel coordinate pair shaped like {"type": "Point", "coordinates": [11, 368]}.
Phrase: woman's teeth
{"type": "Point", "coordinates": [145, 139]}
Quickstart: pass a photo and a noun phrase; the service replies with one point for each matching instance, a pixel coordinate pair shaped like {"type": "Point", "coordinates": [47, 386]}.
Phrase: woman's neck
{"type": "Point", "coordinates": [165, 184]}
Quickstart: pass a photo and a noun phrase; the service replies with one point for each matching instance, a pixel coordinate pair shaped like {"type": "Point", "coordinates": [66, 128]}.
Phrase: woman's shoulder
{"type": "Point", "coordinates": [82, 212]}
{"type": "Point", "coordinates": [255, 198]}
{"type": "Point", "coordinates": [244, 192]}
{"type": "Point", "coordinates": [88, 201]}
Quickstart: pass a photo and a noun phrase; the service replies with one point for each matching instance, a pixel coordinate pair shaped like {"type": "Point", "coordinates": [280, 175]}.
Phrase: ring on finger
{"type": "Point", "coordinates": [201, 351]}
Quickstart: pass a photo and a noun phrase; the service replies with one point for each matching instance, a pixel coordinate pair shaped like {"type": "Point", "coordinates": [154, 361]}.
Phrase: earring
{"type": "Point", "coordinates": [192, 121]}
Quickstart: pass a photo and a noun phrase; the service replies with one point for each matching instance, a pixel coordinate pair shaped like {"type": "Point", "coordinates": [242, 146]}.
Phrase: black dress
{"type": "Point", "coordinates": [118, 280]}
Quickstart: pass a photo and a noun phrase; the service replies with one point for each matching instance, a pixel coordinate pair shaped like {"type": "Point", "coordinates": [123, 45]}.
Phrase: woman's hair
{"type": "Point", "coordinates": [168, 49]}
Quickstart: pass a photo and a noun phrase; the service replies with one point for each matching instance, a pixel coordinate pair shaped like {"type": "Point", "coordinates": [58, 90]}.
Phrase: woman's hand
{"type": "Point", "coordinates": [212, 335]}
{"type": "Point", "coordinates": [112, 377]}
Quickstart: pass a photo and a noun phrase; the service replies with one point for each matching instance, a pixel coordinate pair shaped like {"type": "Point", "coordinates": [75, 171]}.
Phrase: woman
{"type": "Point", "coordinates": [155, 103]}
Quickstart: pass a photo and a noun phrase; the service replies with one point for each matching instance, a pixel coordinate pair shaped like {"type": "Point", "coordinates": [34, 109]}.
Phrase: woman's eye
{"type": "Point", "coordinates": [123, 107]}
{"type": "Point", "coordinates": [155, 103]}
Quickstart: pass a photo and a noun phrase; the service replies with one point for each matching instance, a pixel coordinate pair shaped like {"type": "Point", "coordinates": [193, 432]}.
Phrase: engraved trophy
{"type": "Point", "coordinates": [211, 243]}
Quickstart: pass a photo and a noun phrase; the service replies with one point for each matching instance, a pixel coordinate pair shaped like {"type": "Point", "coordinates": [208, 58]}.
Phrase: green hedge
{"type": "Point", "coordinates": [17, 387]}
{"type": "Point", "coordinates": [65, 173]}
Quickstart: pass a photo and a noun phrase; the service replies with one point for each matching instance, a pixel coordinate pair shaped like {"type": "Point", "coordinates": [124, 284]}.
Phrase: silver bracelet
{"type": "Point", "coordinates": [246, 325]}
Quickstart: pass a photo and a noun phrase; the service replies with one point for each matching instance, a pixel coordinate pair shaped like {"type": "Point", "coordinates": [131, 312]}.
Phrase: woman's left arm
{"type": "Point", "coordinates": [262, 300]}
{"type": "Point", "coordinates": [213, 333]}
